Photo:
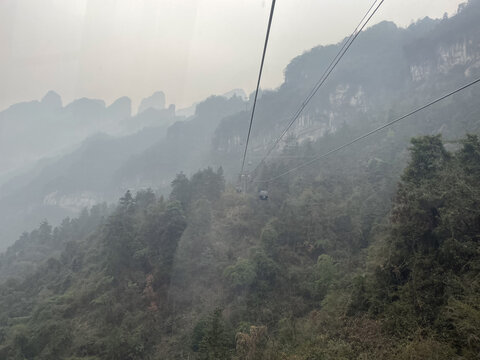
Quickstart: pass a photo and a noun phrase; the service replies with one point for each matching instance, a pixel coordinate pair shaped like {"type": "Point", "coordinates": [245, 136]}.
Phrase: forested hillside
{"type": "Point", "coordinates": [387, 72]}
{"type": "Point", "coordinates": [102, 167]}
{"type": "Point", "coordinates": [323, 270]}
{"type": "Point", "coordinates": [371, 252]}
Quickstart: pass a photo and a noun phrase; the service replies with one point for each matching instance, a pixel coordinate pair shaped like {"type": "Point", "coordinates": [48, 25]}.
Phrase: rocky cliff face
{"type": "Point", "coordinates": [156, 101]}
{"type": "Point", "coordinates": [464, 55]}
{"type": "Point", "coordinates": [385, 66]}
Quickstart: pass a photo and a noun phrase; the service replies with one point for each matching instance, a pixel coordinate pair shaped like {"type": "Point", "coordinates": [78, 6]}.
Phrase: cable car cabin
{"type": "Point", "coordinates": [263, 195]}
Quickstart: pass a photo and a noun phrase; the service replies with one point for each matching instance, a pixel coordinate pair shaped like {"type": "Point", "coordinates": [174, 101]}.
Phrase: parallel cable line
{"type": "Point", "coordinates": [346, 46]}
{"type": "Point", "coordinates": [371, 132]}
{"type": "Point", "coordinates": [258, 85]}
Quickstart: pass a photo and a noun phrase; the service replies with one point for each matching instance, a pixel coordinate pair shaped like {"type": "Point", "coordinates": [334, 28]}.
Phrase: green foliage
{"type": "Point", "coordinates": [434, 248]}
{"type": "Point", "coordinates": [325, 274]}
{"type": "Point", "coordinates": [427, 349]}
{"type": "Point", "coordinates": [252, 345]}
{"type": "Point", "coordinates": [428, 156]}
{"type": "Point", "coordinates": [216, 340]}
{"type": "Point", "coordinates": [181, 190]}
{"type": "Point", "coordinates": [206, 183]}
{"type": "Point", "coordinates": [326, 270]}
{"type": "Point", "coordinates": [469, 155]}
{"type": "Point", "coordinates": [241, 275]}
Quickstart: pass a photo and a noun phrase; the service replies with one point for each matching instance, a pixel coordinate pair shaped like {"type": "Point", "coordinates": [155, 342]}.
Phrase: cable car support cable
{"type": "Point", "coordinates": [372, 132]}
{"type": "Point", "coordinates": [368, 16]}
{"type": "Point", "coordinates": [258, 85]}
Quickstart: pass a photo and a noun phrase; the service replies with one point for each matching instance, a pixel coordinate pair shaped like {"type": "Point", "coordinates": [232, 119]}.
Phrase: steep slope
{"type": "Point", "coordinates": [103, 167]}
{"type": "Point", "coordinates": [64, 186]}
{"type": "Point", "coordinates": [324, 272]}
{"type": "Point", "coordinates": [186, 146]}
{"type": "Point", "coordinates": [387, 71]}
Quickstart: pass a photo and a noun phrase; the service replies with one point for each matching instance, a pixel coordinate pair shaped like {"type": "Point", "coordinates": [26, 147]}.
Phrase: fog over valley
{"type": "Point", "coordinates": [156, 204]}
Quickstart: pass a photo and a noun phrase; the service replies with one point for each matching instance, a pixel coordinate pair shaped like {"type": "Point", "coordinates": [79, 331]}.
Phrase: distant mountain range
{"type": "Point", "coordinates": [80, 154]}
{"type": "Point", "coordinates": [33, 130]}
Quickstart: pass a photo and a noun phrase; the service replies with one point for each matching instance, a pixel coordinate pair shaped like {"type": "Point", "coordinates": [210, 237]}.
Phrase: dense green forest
{"type": "Point", "coordinates": [342, 262]}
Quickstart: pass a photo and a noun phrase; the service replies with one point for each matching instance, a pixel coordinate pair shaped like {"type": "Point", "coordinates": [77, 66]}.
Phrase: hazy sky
{"type": "Point", "coordinates": [187, 48]}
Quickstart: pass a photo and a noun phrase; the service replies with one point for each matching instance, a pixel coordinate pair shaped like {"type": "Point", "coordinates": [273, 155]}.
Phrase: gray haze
{"type": "Point", "coordinates": [189, 48]}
